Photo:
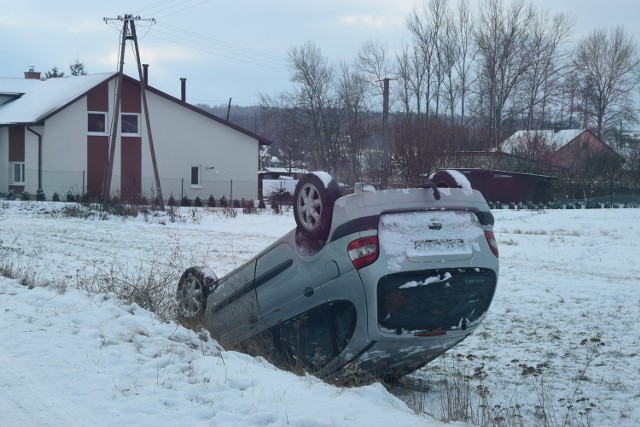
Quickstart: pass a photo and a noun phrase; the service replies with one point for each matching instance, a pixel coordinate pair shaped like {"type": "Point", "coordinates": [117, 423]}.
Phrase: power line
{"type": "Point", "coordinates": [182, 10]}
{"type": "Point", "coordinates": [223, 43]}
{"type": "Point", "coordinates": [210, 45]}
{"type": "Point", "coordinates": [250, 58]}
{"type": "Point", "coordinates": [162, 6]}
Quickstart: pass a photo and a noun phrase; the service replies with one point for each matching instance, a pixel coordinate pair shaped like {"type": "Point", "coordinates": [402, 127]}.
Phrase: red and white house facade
{"type": "Point", "coordinates": [55, 135]}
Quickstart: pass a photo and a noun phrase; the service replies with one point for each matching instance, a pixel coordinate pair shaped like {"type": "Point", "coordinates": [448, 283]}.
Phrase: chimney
{"type": "Point", "coordinates": [31, 74]}
{"type": "Point", "coordinates": [145, 74]}
{"type": "Point", "coordinates": [183, 89]}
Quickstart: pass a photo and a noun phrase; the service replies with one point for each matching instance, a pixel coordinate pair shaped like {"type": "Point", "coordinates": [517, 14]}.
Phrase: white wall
{"type": "Point", "coordinates": [64, 150]}
{"type": "Point", "coordinates": [183, 138]}
{"type": "Point", "coordinates": [4, 159]}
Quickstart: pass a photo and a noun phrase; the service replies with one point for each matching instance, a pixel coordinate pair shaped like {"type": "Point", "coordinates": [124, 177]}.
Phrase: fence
{"type": "Point", "coordinates": [75, 182]}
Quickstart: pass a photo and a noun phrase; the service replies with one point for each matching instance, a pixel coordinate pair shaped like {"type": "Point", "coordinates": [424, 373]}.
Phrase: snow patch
{"type": "Point", "coordinates": [461, 180]}
{"type": "Point", "coordinates": [324, 177]}
{"type": "Point", "coordinates": [427, 281]}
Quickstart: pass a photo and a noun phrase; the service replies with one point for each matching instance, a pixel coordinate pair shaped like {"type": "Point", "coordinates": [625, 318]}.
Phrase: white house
{"type": "Point", "coordinates": [55, 135]}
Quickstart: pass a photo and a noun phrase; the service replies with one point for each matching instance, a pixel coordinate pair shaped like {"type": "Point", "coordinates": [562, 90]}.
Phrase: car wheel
{"type": "Point", "coordinates": [192, 294]}
{"type": "Point", "coordinates": [443, 179]}
{"type": "Point", "coordinates": [313, 204]}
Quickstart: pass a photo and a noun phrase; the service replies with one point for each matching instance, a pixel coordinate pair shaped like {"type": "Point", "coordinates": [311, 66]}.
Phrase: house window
{"type": "Point", "coordinates": [17, 176]}
{"type": "Point", "coordinates": [96, 123]}
{"type": "Point", "coordinates": [195, 176]}
{"type": "Point", "coordinates": [129, 124]}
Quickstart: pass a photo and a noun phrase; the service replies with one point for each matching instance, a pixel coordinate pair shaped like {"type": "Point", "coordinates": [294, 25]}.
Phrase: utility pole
{"type": "Point", "coordinates": [129, 33]}
{"type": "Point", "coordinates": [386, 161]}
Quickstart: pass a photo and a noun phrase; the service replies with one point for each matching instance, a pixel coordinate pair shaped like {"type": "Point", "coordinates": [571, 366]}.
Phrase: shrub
{"type": "Point", "coordinates": [249, 207]}
{"type": "Point", "coordinates": [197, 202]}
{"type": "Point", "coordinates": [275, 206]}
{"type": "Point", "coordinates": [40, 195]}
{"type": "Point", "coordinates": [223, 202]}
{"type": "Point", "coordinates": [11, 195]}
{"type": "Point", "coordinates": [25, 196]}
{"type": "Point", "coordinates": [70, 196]}
{"type": "Point", "coordinates": [236, 203]}
{"type": "Point", "coordinates": [185, 201]}
{"type": "Point", "coordinates": [172, 201]}
{"type": "Point", "coordinates": [229, 212]}
{"type": "Point", "coordinates": [171, 212]}
{"type": "Point", "coordinates": [55, 197]}
{"type": "Point", "coordinates": [211, 202]}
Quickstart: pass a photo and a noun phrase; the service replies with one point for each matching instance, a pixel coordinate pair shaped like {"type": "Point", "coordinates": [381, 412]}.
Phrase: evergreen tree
{"type": "Point", "coordinates": [53, 73]}
{"type": "Point", "coordinates": [77, 68]}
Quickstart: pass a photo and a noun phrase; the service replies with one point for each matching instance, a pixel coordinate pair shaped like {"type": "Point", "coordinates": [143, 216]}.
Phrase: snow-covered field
{"type": "Point", "coordinates": [563, 327]}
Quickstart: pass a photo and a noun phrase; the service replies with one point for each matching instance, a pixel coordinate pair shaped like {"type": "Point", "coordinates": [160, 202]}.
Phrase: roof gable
{"type": "Point", "coordinates": [261, 140]}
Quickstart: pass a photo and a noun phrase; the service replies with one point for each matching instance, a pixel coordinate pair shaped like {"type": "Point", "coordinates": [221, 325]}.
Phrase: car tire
{"type": "Point", "coordinates": [192, 294]}
{"type": "Point", "coordinates": [443, 179]}
{"type": "Point", "coordinates": [313, 205]}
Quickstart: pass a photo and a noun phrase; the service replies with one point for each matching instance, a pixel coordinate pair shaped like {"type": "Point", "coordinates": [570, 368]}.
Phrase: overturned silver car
{"type": "Point", "coordinates": [379, 282]}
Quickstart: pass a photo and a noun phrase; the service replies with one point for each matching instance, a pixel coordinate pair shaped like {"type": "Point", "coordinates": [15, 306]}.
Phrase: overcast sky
{"type": "Point", "coordinates": [227, 48]}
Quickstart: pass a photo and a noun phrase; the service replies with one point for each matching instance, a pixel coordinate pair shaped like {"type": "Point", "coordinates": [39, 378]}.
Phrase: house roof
{"type": "Point", "coordinates": [37, 100]}
{"type": "Point", "coordinates": [553, 138]}
{"type": "Point", "coordinates": [40, 98]}
{"type": "Point", "coordinates": [15, 86]}
{"type": "Point", "coordinates": [261, 140]}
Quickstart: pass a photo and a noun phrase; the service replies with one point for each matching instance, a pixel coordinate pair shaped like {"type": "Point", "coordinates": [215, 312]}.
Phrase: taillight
{"type": "Point", "coordinates": [491, 240]}
{"type": "Point", "coordinates": [363, 251]}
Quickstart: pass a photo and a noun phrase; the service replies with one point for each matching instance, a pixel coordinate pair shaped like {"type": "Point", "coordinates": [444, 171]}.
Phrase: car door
{"type": "Point", "coordinates": [284, 285]}
{"type": "Point", "coordinates": [234, 313]}
{"type": "Point", "coordinates": [300, 321]}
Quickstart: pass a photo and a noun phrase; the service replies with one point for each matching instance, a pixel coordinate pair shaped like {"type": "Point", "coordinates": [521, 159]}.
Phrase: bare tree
{"type": "Point", "coordinates": [467, 54]}
{"type": "Point", "coordinates": [547, 33]}
{"type": "Point", "coordinates": [449, 57]}
{"type": "Point", "coordinates": [633, 164]}
{"type": "Point", "coordinates": [373, 62]}
{"type": "Point", "coordinates": [537, 149]}
{"type": "Point", "coordinates": [412, 75]}
{"type": "Point", "coordinates": [598, 170]}
{"type": "Point", "coordinates": [607, 65]}
{"type": "Point", "coordinates": [278, 121]}
{"type": "Point", "coordinates": [404, 76]}
{"type": "Point", "coordinates": [352, 94]}
{"type": "Point", "coordinates": [503, 58]}
{"type": "Point", "coordinates": [425, 27]}
{"type": "Point", "coordinates": [313, 100]}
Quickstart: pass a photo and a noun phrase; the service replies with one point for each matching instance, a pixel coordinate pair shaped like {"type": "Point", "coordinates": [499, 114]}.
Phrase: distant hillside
{"type": "Point", "coordinates": [246, 117]}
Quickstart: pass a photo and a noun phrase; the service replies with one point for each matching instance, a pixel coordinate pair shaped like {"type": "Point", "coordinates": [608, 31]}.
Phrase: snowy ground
{"type": "Point", "coordinates": [563, 328]}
